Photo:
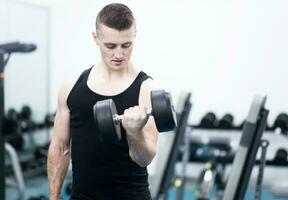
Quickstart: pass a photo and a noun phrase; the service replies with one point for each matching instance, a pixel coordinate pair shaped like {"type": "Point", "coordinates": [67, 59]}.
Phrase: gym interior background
{"type": "Point", "coordinates": [223, 52]}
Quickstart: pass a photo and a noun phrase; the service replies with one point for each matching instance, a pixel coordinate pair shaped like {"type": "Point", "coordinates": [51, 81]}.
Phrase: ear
{"type": "Point", "coordinates": [95, 37]}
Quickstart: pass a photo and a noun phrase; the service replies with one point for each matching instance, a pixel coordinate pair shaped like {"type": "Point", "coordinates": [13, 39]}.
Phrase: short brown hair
{"type": "Point", "coordinates": [115, 15]}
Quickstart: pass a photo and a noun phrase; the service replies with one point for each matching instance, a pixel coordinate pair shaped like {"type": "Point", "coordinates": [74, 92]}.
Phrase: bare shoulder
{"type": "Point", "coordinates": [145, 92]}
{"type": "Point", "coordinates": [65, 90]}
{"type": "Point", "coordinates": [149, 85]}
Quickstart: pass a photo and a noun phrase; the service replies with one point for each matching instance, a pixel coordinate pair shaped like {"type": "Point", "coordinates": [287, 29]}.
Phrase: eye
{"type": "Point", "coordinates": [110, 46]}
{"type": "Point", "coordinates": [126, 45]}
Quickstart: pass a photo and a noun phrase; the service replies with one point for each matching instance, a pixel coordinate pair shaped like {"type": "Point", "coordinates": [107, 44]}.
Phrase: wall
{"type": "Point", "coordinates": [26, 75]}
{"type": "Point", "coordinates": [225, 52]}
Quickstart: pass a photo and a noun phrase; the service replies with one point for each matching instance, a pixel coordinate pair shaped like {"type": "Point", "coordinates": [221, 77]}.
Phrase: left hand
{"type": "Point", "coordinates": [134, 119]}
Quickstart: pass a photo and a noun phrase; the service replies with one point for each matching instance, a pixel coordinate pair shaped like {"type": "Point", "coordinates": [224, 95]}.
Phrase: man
{"type": "Point", "coordinates": [103, 169]}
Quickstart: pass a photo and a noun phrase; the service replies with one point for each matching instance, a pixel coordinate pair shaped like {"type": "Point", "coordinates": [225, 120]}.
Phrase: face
{"type": "Point", "coordinates": [115, 46]}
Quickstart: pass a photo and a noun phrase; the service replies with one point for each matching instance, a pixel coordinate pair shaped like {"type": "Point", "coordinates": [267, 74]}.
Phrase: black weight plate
{"type": "Point", "coordinates": [103, 115]}
{"type": "Point", "coordinates": [163, 110]}
{"type": "Point", "coordinates": [209, 121]}
{"type": "Point", "coordinates": [282, 122]}
{"type": "Point", "coordinates": [25, 112]}
{"type": "Point", "coordinates": [226, 122]}
{"type": "Point", "coordinates": [281, 157]}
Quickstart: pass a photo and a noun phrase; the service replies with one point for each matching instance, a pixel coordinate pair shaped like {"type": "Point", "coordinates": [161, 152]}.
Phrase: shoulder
{"type": "Point", "coordinates": [145, 91]}
{"type": "Point", "coordinates": [65, 90]}
{"type": "Point", "coordinates": [149, 84]}
{"type": "Point", "coordinates": [68, 85]}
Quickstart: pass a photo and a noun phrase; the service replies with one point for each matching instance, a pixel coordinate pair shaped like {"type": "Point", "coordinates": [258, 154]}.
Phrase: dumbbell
{"type": "Point", "coordinates": [12, 114]}
{"type": "Point", "coordinates": [209, 121]}
{"type": "Point", "coordinates": [11, 129]}
{"type": "Point", "coordinates": [226, 122]}
{"type": "Point", "coordinates": [281, 157]}
{"type": "Point", "coordinates": [25, 112]}
{"type": "Point", "coordinates": [16, 140]}
{"type": "Point", "coordinates": [10, 122]}
{"type": "Point", "coordinates": [221, 144]}
{"type": "Point", "coordinates": [282, 123]}
{"type": "Point", "coordinates": [25, 121]}
{"type": "Point", "coordinates": [108, 121]}
{"type": "Point", "coordinates": [49, 120]}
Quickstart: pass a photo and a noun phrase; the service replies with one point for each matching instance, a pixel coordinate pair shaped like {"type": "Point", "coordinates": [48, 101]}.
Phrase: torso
{"type": "Point", "coordinates": [101, 169]}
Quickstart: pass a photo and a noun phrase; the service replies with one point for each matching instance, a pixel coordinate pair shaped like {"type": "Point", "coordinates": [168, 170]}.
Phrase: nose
{"type": "Point", "coordinates": [119, 52]}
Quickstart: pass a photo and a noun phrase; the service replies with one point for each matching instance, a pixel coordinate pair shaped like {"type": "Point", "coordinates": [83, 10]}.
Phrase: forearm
{"type": "Point", "coordinates": [58, 162]}
{"type": "Point", "coordinates": [142, 149]}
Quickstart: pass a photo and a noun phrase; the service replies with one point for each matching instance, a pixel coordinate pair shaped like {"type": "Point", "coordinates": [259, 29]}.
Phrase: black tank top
{"type": "Point", "coordinates": [103, 170]}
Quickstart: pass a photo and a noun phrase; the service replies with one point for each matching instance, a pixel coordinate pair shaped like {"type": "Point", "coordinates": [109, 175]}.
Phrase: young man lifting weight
{"type": "Point", "coordinates": [104, 170]}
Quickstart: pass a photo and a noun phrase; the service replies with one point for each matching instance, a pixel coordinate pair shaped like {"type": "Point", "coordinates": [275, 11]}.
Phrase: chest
{"type": "Point", "coordinates": [109, 88]}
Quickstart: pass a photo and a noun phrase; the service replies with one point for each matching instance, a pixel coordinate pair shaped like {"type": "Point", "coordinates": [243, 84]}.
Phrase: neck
{"type": "Point", "coordinates": [109, 73]}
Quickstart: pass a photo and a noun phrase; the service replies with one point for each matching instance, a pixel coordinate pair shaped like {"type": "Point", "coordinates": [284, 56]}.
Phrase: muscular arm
{"type": "Point", "coordinates": [59, 149]}
{"type": "Point", "coordinates": [142, 144]}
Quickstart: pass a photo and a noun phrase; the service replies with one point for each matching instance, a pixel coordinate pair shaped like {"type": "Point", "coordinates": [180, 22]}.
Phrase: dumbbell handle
{"type": "Point", "coordinates": [118, 118]}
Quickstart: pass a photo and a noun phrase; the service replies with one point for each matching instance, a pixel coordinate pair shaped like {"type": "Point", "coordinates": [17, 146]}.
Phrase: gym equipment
{"type": "Point", "coordinates": [263, 145]}
{"type": "Point", "coordinates": [281, 157]}
{"type": "Point", "coordinates": [226, 122]}
{"type": "Point", "coordinates": [282, 123]}
{"type": "Point", "coordinates": [246, 154]}
{"type": "Point", "coordinates": [10, 123]}
{"type": "Point", "coordinates": [194, 146]}
{"type": "Point", "coordinates": [209, 121]}
{"type": "Point", "coordinates": [219, 143]}
{"type": "Point", "coordinates": [41, 197]}
{"type": "Point", "coordinates": [2, 160]}
{"type": "Point", "coordinates": [49, 120]}
{"type": "Point", "coordinates": [108, 121]}
{"type": "Point", "coordinates": [25, 112]}
{"type": "Point", "coordinates": [11, 129]}
{"type": "Point", "coordinates": [180, 180]}
{"type": "Point", "coordinates": [15, 140]}
{"type": "Point", "coordinates": [211, 177]}
{"type": "Point", "coordinates": [19, 180]}
{"type": "Point", "coordinates": [206, 182]}
{"type": "Point", "coordinates": [5, 51]}
{"type": "Point", "coordinates": [240, 126]}
{"type": "Point", "coordinates": [218, 148]}
{"type": "Point", "coordinates": [165, 176]}
{"type": "Point", "coordinates": [25, 120]}
{"type": "Point", "coordinates": [17, 47]}
{"type": "Point", "coordinates": [203, 154]}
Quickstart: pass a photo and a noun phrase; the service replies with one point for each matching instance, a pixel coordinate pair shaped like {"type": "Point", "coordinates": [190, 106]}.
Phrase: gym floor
{"type": "Point", "coordinates": [39, 186]}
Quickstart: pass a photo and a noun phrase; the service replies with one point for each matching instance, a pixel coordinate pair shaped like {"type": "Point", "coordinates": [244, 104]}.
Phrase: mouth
{"type": "Point", "coordinates": [118, 62]}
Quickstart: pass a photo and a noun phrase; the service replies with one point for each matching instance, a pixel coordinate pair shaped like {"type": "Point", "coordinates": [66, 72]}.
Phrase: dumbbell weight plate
{"type": "Point", "coordinates": [282, 122]}
{"type": "Point", "coordinates": [25, 112]}
{"type": "Point", "coordinates": [209, 121]}
{"type": "Point", "coordinates": [103, 115]}
{"type": "Point", "coordinates": [226, 122]}
{"type": "Point", "coordinates": [12, 115]}
{"type": "Point", "coordinates": [281, 157]}
{"type": "Point", "coordinates": [163, 111]}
